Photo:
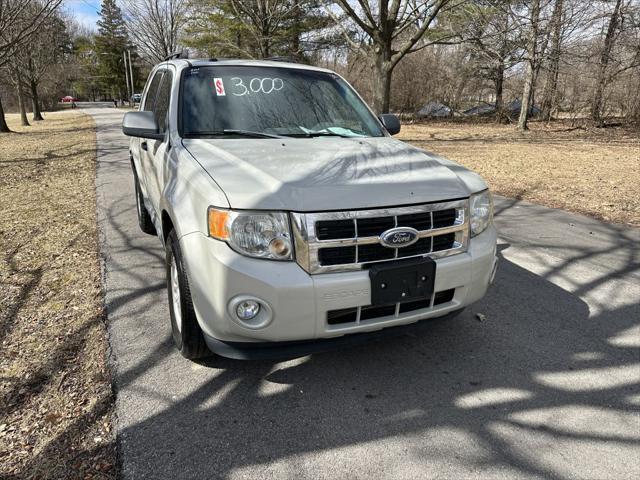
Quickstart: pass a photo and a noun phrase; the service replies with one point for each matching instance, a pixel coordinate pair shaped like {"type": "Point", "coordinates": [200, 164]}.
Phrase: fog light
{"type": "Point", "coordinates": [247, 309]}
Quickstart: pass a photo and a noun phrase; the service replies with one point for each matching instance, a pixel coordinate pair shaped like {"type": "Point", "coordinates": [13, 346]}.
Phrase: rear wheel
{"type": "Point", "coordinates": [144, 219]}
{"type": "Point", "coordinates": [186, 332]}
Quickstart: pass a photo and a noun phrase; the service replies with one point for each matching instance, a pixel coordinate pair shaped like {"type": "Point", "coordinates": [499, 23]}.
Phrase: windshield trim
{"type": "Point", "coordinates": [383, 131]}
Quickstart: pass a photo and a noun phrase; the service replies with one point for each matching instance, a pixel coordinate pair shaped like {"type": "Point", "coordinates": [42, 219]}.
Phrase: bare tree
{"type": "Point", "coordinates": [155, 26]}
{"type": "Point", "coordinates": [394, 29]}
{"type": "Point", "coordinates": [41, 53]}
{"type": "Point", "coordinates": [16, 71]}
{"type": "Point", "coordinates": [494, 44]}
{"type": "Point", "coordinates": [551, 84]}
{"type": "Point", "coordinates": [530, 64]}
{"type": "Point", "coordinates": [605, 57]}
{"type": "Point", "coordinates": [19, 20]}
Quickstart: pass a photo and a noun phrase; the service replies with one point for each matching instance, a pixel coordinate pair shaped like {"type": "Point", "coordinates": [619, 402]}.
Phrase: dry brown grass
{"type": "Point", "coordinates": [55, 390]}
{"type": "Point", "coordinates": [586, 170]}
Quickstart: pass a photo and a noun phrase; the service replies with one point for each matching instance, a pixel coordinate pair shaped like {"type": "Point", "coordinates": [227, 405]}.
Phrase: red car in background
{"type": "Point", "coordinates": [68, 99]}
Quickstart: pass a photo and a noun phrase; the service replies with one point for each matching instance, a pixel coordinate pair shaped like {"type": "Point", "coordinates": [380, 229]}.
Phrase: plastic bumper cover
{"type": "Point", "coordinates": [300, 302]}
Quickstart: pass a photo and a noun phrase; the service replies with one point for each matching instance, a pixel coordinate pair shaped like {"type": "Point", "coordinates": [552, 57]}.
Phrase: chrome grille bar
{"type": "Point", "coordinates": [308, 245]}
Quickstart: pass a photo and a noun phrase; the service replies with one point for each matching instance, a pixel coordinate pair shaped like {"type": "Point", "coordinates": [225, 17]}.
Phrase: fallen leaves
{"type": "Point", "coordinates": [55, 390]}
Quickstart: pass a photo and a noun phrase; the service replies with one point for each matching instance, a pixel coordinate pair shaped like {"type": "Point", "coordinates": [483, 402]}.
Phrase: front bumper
{"type": "Point", "coordinates": [299, 302]}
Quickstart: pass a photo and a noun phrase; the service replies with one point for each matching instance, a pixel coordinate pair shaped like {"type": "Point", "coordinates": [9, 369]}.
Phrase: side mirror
{"type": "Point", "coordinates": [142, 125]}
{"type": "Point", "coordinates": [390, 122]}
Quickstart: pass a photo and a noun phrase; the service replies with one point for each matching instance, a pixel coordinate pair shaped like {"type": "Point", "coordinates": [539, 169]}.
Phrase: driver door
{"type": "Point", "coordinates": [157, 150]}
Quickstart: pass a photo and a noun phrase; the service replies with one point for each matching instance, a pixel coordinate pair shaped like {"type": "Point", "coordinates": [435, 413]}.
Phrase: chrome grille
{"type": "Point", "coordinates": [345, 241]}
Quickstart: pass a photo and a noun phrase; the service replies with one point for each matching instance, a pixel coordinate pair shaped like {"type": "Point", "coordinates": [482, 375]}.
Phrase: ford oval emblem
{"type": "Point", "coordinates": [399, 237]}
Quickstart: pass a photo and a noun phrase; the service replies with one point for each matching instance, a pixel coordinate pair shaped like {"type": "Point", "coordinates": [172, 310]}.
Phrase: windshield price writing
{"type": "Point", "coordinates": [256, 85]}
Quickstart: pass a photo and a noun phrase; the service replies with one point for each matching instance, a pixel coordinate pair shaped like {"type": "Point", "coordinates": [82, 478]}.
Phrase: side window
{"type": "Point", "coordinates": [150, 97]}
{"type": "Point", "coordinates": [162, 101]}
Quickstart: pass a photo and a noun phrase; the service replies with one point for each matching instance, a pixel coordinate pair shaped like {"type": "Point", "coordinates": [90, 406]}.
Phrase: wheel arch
{"type": "Point", "coordinates": [167, 225]}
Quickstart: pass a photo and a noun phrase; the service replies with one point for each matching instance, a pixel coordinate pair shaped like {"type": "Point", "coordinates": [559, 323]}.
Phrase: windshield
{"type": "Point", "coordinates": [273, 101]}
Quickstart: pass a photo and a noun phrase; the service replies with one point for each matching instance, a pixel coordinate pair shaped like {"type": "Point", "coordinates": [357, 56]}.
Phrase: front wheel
{"type": "Point", "coordinates": [186, 332]}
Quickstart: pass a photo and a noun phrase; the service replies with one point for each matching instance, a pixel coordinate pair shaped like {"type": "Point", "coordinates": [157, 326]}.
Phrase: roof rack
{"type": "Point", "coordinates": [181, 54]}
{"type": "Point", "coordinates": [282, 59]}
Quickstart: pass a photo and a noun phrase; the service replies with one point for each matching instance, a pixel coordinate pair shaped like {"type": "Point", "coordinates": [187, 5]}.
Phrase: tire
{"type": "Point", "coordinates": [144, 219]}
{"type": "Point", "coordinates": [186, 332]}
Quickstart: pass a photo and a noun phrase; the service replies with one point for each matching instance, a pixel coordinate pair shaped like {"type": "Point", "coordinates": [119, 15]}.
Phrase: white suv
{"type": "Point", "coordinates": [292, 221]}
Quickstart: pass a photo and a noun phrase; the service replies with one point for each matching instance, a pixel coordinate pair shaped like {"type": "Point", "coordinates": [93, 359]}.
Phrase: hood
{"type": "Point", "coordinates": [327, 173]}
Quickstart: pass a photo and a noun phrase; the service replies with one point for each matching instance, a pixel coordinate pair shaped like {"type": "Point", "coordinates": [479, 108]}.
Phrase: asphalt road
{"type": "Point", "coordinates": [546, 386]}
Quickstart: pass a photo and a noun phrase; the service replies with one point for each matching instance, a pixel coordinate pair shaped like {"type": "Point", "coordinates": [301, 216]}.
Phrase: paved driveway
{"type": "Point", "coordinates": [545, 387]}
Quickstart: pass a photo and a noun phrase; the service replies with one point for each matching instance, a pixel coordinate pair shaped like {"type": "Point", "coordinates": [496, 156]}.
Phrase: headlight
{"type": "Point", "coordinates": [481, 207]}
{"type": "Point", "coordinates": [256, 234]}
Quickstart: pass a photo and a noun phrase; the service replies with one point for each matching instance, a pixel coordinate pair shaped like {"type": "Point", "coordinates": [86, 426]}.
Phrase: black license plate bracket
{"type": "Point", "coordinates": [402, 281]}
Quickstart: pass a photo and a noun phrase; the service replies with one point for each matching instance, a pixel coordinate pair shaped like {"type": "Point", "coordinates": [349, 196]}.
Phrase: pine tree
{"type": "Point", "coordinates": [111, 42]}
{"type": "Point", "coordinates": [256, 28]}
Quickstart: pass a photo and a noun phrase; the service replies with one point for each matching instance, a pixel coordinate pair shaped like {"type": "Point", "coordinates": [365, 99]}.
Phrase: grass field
{"type": "Point", "coordinates": [55, 390]}
{"type": "Point", "coordinates": [585, 170]}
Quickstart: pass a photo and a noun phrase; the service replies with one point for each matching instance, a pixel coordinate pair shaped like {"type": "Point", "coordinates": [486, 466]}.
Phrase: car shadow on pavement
{"type": "Point", "coordinates": [519, 388]}
{"type": "Point", "coordinates": [545, 386]}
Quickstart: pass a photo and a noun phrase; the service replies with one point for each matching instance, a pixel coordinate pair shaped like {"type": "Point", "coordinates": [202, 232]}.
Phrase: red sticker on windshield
{"type": "Point", "coordinates": [219, 86]}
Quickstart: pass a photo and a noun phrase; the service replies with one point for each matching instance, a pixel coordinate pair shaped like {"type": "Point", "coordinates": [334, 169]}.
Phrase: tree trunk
{"type": "Point", "coordinates": [635, 112]}
{"type": "Point", "coordinates": [265, 37]}
{"type": "Point", "coordinates": [551, 85]}
{"type": "Point", "coordinates": [21, 99]}
{"type": "Point", "coordinates": [4, 128]}
{"type": "Point", "coordinates": [596, 106]}
{"type": "Point", "coordinates": [35, 101]}
{"type": "Point", "coordinates": [381, 89]}
{"type": "Point", "coordinates": [526, 98]}
{"type": "Point", "coordinates": [295, 34]}
{"type": "Point", "coordinates": [500, 116]}
{"type": "Point", "coordinates": [527, 91]}
{"type": "Point", "coordinates": [383, 70]}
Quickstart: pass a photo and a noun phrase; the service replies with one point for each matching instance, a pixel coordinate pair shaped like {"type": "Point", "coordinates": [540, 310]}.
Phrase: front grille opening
{"type": "Point", "coordinates": [335, 229]}
{"type": "Point", "coordinates": [377, 311]}
{"type": "Point", "coordinates": [444, 296]}
{"type": "Point", "coordinates": [372, 227]}
{"type": "Point", "coordinates": [345, 315]}
{"type": "Point", "coordinates": [419, 221]}
{"type": "Point", "coordinates": [370, 312]}
{"type": "Point", "coordinates": [337, 255]}
{"type": "Point", "coordinates": [349, 240]}
{"type": "Point", "coordinates": [422, 246]}
{"type": "Point", "coordinates": [443, 242]}
{"type": "Point", "coordinates": [444, 218]}
{"type": "Point", "coordinates": [415, 305]}
{"type": "Point", "coordinates": [374, 251]}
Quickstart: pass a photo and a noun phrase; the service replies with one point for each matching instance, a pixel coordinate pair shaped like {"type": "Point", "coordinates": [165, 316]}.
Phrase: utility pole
{"type": "Point", "coordinates": [126, 76]}
{"type": "Point", "coordinates": [131, 73]}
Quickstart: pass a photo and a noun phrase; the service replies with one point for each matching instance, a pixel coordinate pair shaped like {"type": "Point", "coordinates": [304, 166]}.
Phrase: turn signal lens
{"type": "Point", "coordinates": [280, 247]}
{"type": "Point", "coordinates": [218, 221]}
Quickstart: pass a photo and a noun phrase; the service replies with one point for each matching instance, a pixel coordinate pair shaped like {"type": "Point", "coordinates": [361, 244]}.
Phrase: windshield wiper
{"type": "Point", "coordinates": [229, 131]}
{"type": "Point", "coordinates": [318, 134]}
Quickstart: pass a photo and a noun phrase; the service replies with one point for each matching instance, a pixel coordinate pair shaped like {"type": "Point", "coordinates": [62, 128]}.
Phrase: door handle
{"type": "Point", "coordinates": [143, 145]}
